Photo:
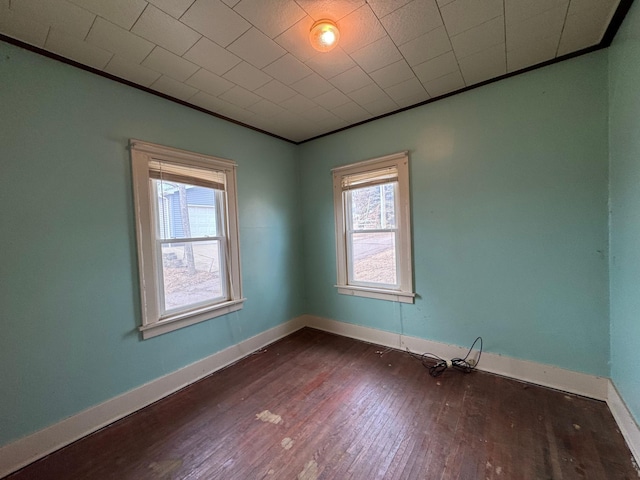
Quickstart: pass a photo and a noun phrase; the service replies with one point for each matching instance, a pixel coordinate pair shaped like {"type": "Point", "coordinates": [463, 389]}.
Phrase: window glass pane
{"type": "Point", "coordinates": [373, 257]}
{"type": "Point", "coordinates": [192, 273]}
{"type": "Point", "coordinates": [373, 208]}
{"type": "Point", "coordinates": [185, 211]}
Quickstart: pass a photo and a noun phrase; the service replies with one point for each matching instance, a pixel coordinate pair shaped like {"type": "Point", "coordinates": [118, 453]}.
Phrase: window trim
{"type": "Point", "coordinates": [404, 293]}
{"type": "Point", "coordinates": [152, 322]}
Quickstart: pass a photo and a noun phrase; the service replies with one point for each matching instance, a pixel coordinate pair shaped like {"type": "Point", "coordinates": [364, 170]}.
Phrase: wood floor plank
{"type": "Point", "coordinates": [317, 406]}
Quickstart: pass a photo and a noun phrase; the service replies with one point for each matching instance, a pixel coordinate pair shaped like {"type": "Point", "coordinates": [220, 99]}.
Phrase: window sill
{"type": "Point", "coordinates": [377, 293]}
{"type": "Point", "coordinates": [190, 318]}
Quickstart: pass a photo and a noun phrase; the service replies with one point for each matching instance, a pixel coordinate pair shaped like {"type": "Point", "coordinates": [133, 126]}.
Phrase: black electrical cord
{"type": "Point", "coordinates": [438, 365]}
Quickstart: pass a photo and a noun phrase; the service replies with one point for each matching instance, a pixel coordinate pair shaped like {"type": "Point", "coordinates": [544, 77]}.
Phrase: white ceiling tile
{"type": "Point", "coordinates": [124, 68]}
{"type": "Point", "coordinates": [288, 69]}
{"type": "Point", "coordinates": [312, 86]}
{"type": "Point", "coordinates": [604, 7]}
{"type": "Point", "coordinates": [352, 112]}
{"type": "Point", "coordinates": [351, 80]}
{"type": "Point", "coordinates": [72, 47]}
{"type": "Point", "coordinates": [426, 47]}
{"type": "Point", "coordinates": [413, 101]}
{"type": "Point", "coordinates": [445, 84]}
{"type": "Point", "coordinates": [393, 74]}
{"type": "Point", "coordinates": [175, 8]}
{"type": "Point", "coordinates": [208, 102]}
{"type": "Point", "coordinates": [265, 108]}
{"type": "Point", "coordinates": [21, 26]}
{"type": "Point", "coordinates": [484, 65]}
{"type": "Point", "coordinates": [331, 63]}
{"type": "Point", "coordinates": [412, 20]}
{"type": "Point", "coordinates": [519, 58]}
{"type": "Point", "coordinates": [170, 64]}
{"type": "Point", "coordinates": [329, 9]}
{"type": "Point", "coordinates": [59, 14]}
{"type": "Point", "coordinates": [247, 76]}
{"type": "Point", "coordinates": [436, 67]}
{"type": "Point", "coordinates": [173, 88]}
{"type": "Point", "coordinates": [211, 56]}
{"type": "Point", "coordinates": [256, 48]}
{"type": "Point", "coordinates": [360, 28]}
{"type": "Point", "coordinates": [479, 38]}
{"type": "Point", "coordinates": [116, 39]}
{"type": "Point", "coordinates": [368, 94]}
{"type": "Point", "coordinates": [535, 39]}
{"type": "Point", "coordinates": [228, 25]}
{"type": "Point", "coordinates": [238, 114]}
{"type": "Point", "coordinates": [385, 7]}
{"type": "Point", "coordinates": [380, 106]}
{"type": "Point", "coordinates": [461, 15]}
{"type": "Point", "coordinates": [271, 16]}
{"type": "Point", "coordinates": [329, 124]}
{"type": "Point", "coordinates": [120, 12]}
{"type": "Point", "coordinates": [331, 99]}
{"type": "Point", "coordinates": [209, 82]}
{"type": "Point", "coordinates": [298, 104]}
{"type": "Point", "coordinates": [240, 97]}
{"type": "Point", "coordinates": [376, 55]}
{"type": "Point", "coordinates": [165, 31]}
{"type": "Point", "coordinates": [296, 39]}
{"type": "Point", "coordinates": [518, 10]}
{"type": "Point", "coordinates": [317, 114]}
{"type": "Point", "coordinates": [545, 27]}
{"type": "Point", "coordinates": [410, 88]}
{"type": "Point", "coordinates": [222, 107]}
{"type": "Point", "coordinates": [585, 24]}
{"type": "Point", "coordinates": [275, 91]}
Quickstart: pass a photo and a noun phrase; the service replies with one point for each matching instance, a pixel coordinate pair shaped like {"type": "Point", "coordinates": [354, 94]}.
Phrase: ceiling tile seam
{"type": "Point", "coordinates": [139, 17]}
{"type": "Point", "coordinates": [95, 17]}
{"type": "Point", "coordinates": [252, 24]}
{"type": "Point", "coordinates": [479, 24]}
{"type": "Point", "coordinates": [398, 8]}
{"type": "Point", "coordinates": [564, 24]}
{"type": "Point", "coordinates": [397, 48]}
{"type": "Point", "coordinates": [488, 46]}
{"type": "Point", "coordinates": [185, 12]}
{"type": "Point", "coordinates": [452, 51]}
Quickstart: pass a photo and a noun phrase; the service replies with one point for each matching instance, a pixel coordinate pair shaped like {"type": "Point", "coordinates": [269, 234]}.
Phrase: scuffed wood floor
{"type": "Point", "coordinates": [320, 406]}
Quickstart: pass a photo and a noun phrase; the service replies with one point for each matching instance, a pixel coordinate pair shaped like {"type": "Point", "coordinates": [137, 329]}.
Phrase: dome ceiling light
{"type": "Point", "coordinates": [324, 35]}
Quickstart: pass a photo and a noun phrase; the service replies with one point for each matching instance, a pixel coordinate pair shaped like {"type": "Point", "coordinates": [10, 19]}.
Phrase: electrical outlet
{"type": "Point", "coordinates": [472, 362]}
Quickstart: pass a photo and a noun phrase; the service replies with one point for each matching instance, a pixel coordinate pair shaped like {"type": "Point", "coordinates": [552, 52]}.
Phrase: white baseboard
{"type": "Point", "coordinates": [540, 374]}
{"type": "Point", "coordinates": [35, 446]}
{"type": "Point", "coordinates": [627, 425]}
{"type": "Point", "coordinates": [24, 451]}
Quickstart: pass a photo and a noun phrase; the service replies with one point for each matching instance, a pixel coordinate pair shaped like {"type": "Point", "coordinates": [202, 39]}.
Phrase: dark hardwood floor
{"type": "Point", "coordinates": [320, 406]}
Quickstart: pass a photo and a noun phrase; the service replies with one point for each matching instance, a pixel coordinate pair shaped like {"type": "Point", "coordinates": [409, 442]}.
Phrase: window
{"type": "Point", "coordinates": [373, 229]}
{"type": "Point", "coordinates": [187, 233]}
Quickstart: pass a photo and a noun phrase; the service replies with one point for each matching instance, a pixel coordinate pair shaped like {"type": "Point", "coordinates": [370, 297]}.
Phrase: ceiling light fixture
{"type": "Point", "coordinates": [324, 35]}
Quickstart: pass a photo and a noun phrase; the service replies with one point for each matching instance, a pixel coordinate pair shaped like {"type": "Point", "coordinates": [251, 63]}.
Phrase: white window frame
{"type": "Point", "coordinates": [403, 291]}
{"type": "Point", "coordinates": [154, 323]}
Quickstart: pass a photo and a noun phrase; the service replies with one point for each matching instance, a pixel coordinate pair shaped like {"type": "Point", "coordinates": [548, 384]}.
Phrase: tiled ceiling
{"type": "Point", "coordinates": [251, 61]}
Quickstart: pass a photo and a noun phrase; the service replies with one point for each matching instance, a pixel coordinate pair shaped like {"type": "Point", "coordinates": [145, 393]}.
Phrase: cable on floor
{"type": "Point", "coordinates": [437, 365]}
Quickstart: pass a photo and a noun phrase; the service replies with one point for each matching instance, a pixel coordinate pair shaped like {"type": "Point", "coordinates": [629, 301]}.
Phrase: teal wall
{"type": "Point", "coordinates": [510, 228]}
{"type": "Point", "coordinates": [69, 288]}
{"type": "Point", "coordinates": [624, 140]}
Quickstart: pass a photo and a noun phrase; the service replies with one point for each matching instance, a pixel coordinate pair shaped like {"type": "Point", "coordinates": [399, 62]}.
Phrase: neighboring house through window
{"type": "Point", "coordinates": [373, 229]}
{"type": "Point", "coordinates": [187, 233]}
